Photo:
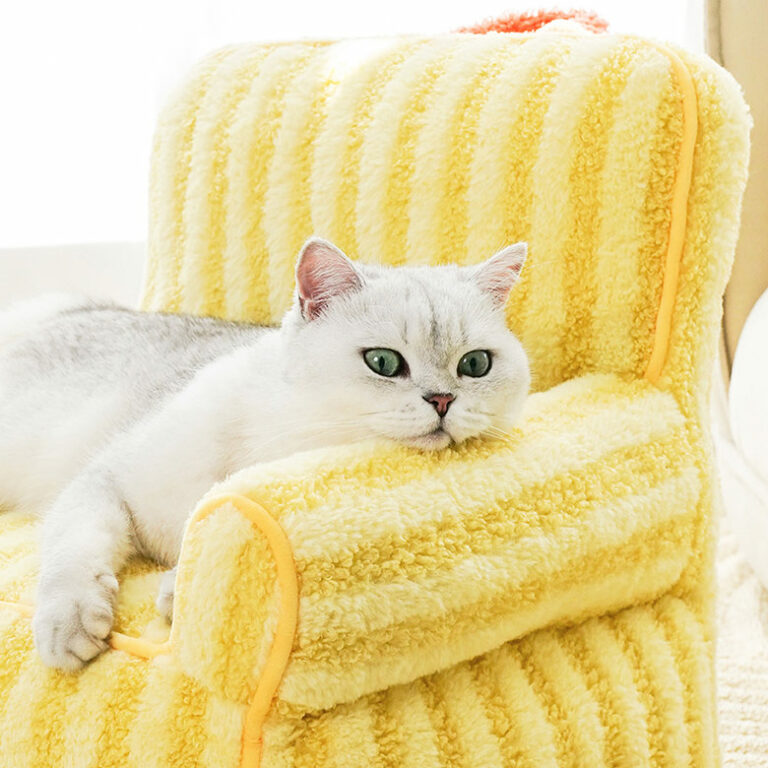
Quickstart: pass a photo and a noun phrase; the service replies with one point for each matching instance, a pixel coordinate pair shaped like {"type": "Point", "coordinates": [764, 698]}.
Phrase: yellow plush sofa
{"type": "Point", "coordinates": [540, 600]}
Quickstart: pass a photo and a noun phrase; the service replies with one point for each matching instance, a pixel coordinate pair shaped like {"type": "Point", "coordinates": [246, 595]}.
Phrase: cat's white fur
{"type": "Point", "coordinates": [115, 477]}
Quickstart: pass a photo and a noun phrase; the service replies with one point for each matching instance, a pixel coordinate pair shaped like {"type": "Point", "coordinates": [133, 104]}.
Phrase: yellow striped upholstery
{"type": "Point", "coordinates": [540, 601]}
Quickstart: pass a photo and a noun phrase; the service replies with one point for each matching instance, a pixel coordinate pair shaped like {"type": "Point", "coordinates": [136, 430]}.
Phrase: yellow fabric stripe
{"type": "Point", "coordinates": [485, 672]}
{"type": "Point", "coordinates": [16, 544]}
{"type": "Point", "coordinates": [694, 658]}
{"type": "Point", "coordinates": [390, 752]}
{"type": "Point", "coordinates": [251, 151]}
{"type": "Point", "coordinates": [312, 746]}
{"type": "Point", "coordinates": [349, 736]}
{"type": "Point", "coordinates": [46, 696]}
{"type": "Point", "coordinates": [16, 637]}
{"type": "Point", "coordinates": [434, 690]}
{"type": "Point", "coordinates": [623, 188]}
{"type": "Point", "coordinates": [580, 288]}
{"type": "Point", "coordinates": [532, 732]}
{"type": "Point", "coordinates": [185, 734]}
{"type": "Point", "coordinates": [594, 651]}
{"type": "Point", "coordinates": [18, 579]}
{"type": "Point", "coordinates": [172, 167]}
{"type": "Point", "coordinates": [408, 710]}
{"type": "Point", "coordinates": [17, 528]}
{"type": "Point", "coordinates": [388, 153]}
{"type": "Point", "coordinates": [338, 144]}
{"type": "Point", "coordinates": [287, 215]}
{"type": "Point", "coordinates": [343, 223]}
{"type": "Point", "coordinates": [93, 710]}
{"type": "Point", "coordinates": [421, 553]}
{"type": "Point", "coordinates": [172, 139]}
{"type": "Point", "coordinates": [496, 204]}
{"type": "Point", "coordinates": [465, 138]}
{"type": "Point", "coordinates": [205, 213]}
{"type": "Point", "coordinates": [566, 697]}
{"type": "Point", "coordinates": [149, 739]}
{"type": "Point", "coordinates": [544, 315]}
{"type": "Point", "coordinates": [472, 727]}
{"type": "Point", "coordinates": [282, 737]}
{"type": "Point", "coordinates": [658, 675]}
{"type": "Point", "coordinates": [223, 729]}
{"type": "Point", "coordinates": [434, 147]}
{"type": "Point", "coordinates": [641, 420]}
{"type": "Point", "coordinates": [120, 711]}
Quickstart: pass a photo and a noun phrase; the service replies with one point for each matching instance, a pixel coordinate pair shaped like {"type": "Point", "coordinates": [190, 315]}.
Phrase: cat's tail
{"type": "Point", "coordinates": [26, 315]}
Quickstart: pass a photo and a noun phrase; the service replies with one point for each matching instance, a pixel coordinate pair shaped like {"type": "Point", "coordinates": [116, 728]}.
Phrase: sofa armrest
{"type": "Point", "coordinates": [409, 562]}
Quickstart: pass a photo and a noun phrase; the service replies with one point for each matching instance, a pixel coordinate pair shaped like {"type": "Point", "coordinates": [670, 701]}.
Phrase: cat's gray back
{"type": "Point", "coordinates": [99, 346]}
{"type": "Point", "coordinates": [78, 375]}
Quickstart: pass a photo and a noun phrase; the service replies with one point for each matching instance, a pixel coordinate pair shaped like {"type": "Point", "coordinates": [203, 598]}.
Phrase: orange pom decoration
{"type": "Point", "coordinates": [530, 21]}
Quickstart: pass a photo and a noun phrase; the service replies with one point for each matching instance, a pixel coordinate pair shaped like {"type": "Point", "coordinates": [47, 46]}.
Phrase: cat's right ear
{"type": "Point", "coordinates": [498, 275]}
{"type": "Point", "coordinates": [323, 272]}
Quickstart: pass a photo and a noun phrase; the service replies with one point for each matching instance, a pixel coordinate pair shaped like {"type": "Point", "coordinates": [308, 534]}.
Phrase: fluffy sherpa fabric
{"type": "Point", "coordinates": [541, 601]}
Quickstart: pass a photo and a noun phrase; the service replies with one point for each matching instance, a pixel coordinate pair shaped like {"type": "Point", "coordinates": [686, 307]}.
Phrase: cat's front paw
{"type": "Point", "coordinates": [73, 618]}
{"type": "Point", "coordinates": [164, 600]}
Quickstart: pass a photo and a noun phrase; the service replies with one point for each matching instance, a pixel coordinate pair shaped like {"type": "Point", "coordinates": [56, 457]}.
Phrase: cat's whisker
{"type": "Point", "coordinates": [498, 433]}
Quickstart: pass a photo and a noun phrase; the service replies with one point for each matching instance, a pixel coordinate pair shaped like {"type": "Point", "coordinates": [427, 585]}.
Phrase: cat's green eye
{"type": "Point", "coordinates": [475, 363]}
{"type": "Point", "coordinates": [385, 362]}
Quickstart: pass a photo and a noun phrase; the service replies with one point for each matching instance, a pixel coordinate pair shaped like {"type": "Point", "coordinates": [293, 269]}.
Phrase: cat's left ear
{"type": "Point", "coordinates": [323, 272]}
{"type": "Point", "coordinates": [498, 275]}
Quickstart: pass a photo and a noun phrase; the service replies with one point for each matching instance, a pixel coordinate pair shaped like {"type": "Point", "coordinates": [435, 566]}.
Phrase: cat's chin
{"type": "Point", "coordinates": [432, 441]}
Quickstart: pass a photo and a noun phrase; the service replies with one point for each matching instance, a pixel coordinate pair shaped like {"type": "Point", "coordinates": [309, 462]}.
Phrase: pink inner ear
{"type": "Point", "coordinates": [323, 273]}
{"type": "Point", "coordinates": [498, 275]}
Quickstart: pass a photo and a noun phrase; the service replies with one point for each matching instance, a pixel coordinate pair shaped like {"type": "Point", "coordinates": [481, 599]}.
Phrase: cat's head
{"type": "Point", "coordinates": [421, 355]}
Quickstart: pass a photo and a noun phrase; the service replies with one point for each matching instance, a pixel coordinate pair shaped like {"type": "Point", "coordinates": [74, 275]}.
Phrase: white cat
{"type": "Point", "coordinates": [115, 422]}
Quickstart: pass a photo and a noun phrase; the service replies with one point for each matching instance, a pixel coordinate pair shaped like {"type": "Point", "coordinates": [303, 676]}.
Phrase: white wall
{"type": "Point", "coordinates": [107, 271]}
{"type": "Point", "coordinates": [81, 82]}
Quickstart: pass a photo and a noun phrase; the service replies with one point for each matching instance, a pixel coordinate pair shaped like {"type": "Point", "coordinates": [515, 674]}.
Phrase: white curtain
{"type": "Point", "coordinates": [81, 82]}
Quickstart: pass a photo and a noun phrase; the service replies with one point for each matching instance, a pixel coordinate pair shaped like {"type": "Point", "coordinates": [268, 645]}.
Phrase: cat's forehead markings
{"type": "Point", "coordinates": [434, 325]}
{"type": "Point", "coordinates": [406, 302]}
{"type": "Point", "coordinates": [418, 305]}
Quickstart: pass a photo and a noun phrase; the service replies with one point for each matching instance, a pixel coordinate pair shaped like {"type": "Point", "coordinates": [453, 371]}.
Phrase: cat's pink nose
{"type": "Point", "coordinates": [441, 402]}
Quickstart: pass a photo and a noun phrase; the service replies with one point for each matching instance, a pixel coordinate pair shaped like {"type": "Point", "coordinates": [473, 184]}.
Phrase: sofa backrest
{"type": "Point", "coordinates": [433, 150]}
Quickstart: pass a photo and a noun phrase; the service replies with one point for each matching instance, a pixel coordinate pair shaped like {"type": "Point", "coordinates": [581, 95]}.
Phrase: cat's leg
{"type": "Point", "coordinates": [87, 536]}
{"type": "Point", "coordinates": [164, 600]}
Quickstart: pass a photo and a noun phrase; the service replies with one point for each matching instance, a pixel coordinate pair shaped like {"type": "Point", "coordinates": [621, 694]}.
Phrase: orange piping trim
{"type": "Point", "coordinates": [679, 215]}
{"type": "Point", "coordinates": [287, 620]}
{"type": "Point", "coordinates": [136, 646]}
